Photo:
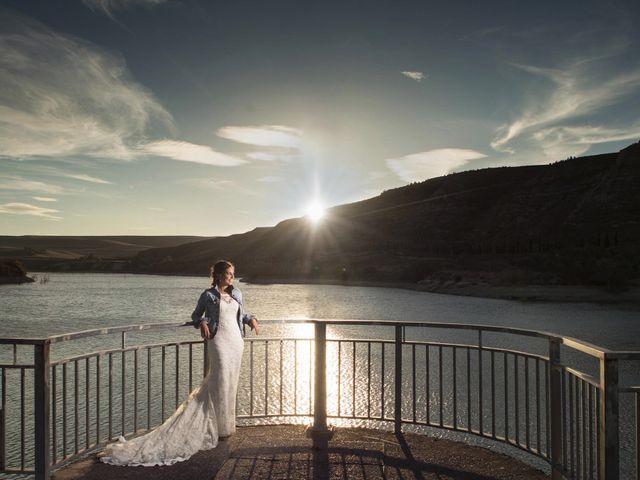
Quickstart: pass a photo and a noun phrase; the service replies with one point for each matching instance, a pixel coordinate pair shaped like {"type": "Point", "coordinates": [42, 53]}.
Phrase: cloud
{"type": "Point", "coordinates": [433, 163]}
{"type": "Point", "coordinates": [156, 209]}
{"type": "Point", "coordinates": [264, 135]}
{"type": "Point", "coordinates": [27, 209]}
{"type": "Point", "coordinates": [417, 76]}
{"type": "Point", "coordinates": [577, 91]}
{"type": "Point", "coordinates": [264, 156]}
{"type": "Point", "coordinates": [87, 178]}
{"type": "Point", "coordinates": [561, 142]}
{"type": "Point", "coordinates": [587, 135]}
{"type": "Point", "coordinates": [189, 152]}
{"type": "Point", "coordinates": [20, 184]}
{"type": "Point", "coordinates": [222, 184]}
{"type": "Point", "coordinates": [62, 96]}
{"type": "Point", "coordinates": [270, 179]}
{"type": "Point", "coordinates": [108, 6]}
{"type": "Point", "coordinates": [276, 154]}
{"type": "Point", "coordinates": [45, 199]}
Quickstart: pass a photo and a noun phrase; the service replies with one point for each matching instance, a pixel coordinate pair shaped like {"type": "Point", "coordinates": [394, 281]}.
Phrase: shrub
{"type": "Point", "coordinates": [12, 268]}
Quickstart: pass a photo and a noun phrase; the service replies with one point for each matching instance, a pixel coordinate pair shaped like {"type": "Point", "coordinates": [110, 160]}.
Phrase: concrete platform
{"type": "Point", "coordinates": [284, 452]}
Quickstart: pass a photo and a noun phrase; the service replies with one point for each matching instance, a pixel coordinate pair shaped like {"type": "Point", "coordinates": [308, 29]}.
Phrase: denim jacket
{"type": "Point", "coordinates": [209, 305]}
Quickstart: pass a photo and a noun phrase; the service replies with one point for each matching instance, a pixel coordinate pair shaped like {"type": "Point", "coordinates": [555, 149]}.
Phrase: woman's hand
{"type": "Point", "coordinates": [204, 330]}
{"type": "Point", "coordinates": [254, 325]}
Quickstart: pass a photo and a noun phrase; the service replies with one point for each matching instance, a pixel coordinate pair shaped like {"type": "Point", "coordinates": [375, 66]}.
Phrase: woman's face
{"type": "Point", "coordinates": [227, 277]}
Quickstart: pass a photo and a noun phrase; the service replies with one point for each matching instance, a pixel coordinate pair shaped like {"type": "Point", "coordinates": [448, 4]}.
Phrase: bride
{"type": "Point", "coordinates": [209, 413]}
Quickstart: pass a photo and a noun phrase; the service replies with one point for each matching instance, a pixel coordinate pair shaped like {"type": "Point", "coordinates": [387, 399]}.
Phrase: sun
{"type": "Point", "coordinates": [316, 212]}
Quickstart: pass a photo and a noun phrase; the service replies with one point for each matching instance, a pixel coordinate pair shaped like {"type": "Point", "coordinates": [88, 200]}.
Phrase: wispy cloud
{"type": "Point", "coordinates": [417, 76]}
{"type": "Point", "coordinates": [87, 178]}
{"type": "Point", "coordinates": [20, 184]}
{"type": "Point", "coordinates": [264, 135]}
{"type": "Point", "coordinates": [264, 156]}
{"type": "Point", "coordinates": [555, 120]}
{"type": "Point", "coordinates": [189, 152]}
{"type": "Point", "coordinates": [108, 6]}
{"type": "Point", "coordinates": [270, 179]}
{"type": "Point", "coordinates": [156, 209]}
{"type": "Point", "coordinates": [561, 142]}
{"type": "Point", "coordinates": [68, 96]}
{"type": "Point", "coordinates": [45, 199]}
{"type": "Point", "coordinates": [31, 169]}
{"type": "Point", "coordinates": [275, 154]}
{"type": "Point", "coordinates": [219, 185]}
{"type": "Point", "coordinates": [433, 163]}
{"type": "Point", "coordinates": [27, 209]}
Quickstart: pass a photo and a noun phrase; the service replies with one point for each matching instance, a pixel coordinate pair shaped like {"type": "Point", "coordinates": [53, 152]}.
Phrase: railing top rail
{"type": "Point", "coordinates": [23, 341]}
{"type": "Point", "coordinates": [90, 333]}
{"type": "Point", "coordinates": [623, 355]}
{"type": "Point", "coordinates": [120, 329]}
{"type": "Point", "coordinates": [571, 342]}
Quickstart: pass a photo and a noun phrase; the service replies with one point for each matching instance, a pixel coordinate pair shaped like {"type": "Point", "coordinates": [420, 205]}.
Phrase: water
{"type": "Point", "coordinates": [74, 302]}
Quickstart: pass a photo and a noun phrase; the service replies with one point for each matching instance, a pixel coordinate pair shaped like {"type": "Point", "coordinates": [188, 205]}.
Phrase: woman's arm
{"type": "Point", "coordinates": [252, 321]}
{"type": "Point", "coordinates": [196, 316]}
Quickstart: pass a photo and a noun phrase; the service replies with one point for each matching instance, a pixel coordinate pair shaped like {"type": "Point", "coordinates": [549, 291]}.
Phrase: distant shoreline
{"type": "Point", "coordinates": [524, 293]}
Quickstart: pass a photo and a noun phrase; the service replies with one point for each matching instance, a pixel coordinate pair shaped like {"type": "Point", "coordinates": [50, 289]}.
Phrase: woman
{"type": "Point", "coordinates": [209, 413]}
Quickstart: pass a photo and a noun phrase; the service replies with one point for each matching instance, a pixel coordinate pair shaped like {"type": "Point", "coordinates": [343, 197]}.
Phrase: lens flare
{"type": "Point", "coordinates": [316, 212]}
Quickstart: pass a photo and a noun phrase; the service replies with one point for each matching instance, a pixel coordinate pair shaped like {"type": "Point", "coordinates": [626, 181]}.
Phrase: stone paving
{"type": "Point", "coordinates": [284, 452]}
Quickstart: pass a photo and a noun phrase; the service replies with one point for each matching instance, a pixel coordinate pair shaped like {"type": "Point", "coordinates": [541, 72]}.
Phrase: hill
{"type": "Point", "coordinates": [576, 221]}
{"type": "Point", "coordinates": [82, 253]}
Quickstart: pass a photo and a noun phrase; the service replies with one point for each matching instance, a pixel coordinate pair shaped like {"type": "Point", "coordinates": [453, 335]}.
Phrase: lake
{"type": "Point", "coordinates": [72, 302]}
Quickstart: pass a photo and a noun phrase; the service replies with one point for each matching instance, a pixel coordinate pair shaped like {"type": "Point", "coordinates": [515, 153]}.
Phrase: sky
{"type": "Point", "coordinates": [180, 117]}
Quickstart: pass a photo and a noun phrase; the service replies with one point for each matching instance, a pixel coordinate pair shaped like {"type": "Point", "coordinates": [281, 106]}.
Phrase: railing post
{"type": "Point", "coordinates": [555, 408]}
{"type": "Point", "coordinates": [608, 449]}
{"type": "Point", "coordinates": [397, 427]}
{"type": "Point", "coordinates": [3, 419]}
{"type": "Point", "coordinates": [319, 432]}
{"type": "Point", "coordinates": [41, 382]}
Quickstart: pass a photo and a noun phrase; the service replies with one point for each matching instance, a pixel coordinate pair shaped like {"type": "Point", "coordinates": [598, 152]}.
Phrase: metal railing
{"type": "Point", "coordinates": [554, 397]}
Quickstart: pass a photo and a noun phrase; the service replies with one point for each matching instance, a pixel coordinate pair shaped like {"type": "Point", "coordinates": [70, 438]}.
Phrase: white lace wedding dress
{"type": "Point", "coordinates": [208, 413]}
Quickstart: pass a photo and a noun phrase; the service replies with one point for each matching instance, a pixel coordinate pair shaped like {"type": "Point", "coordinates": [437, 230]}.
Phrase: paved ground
{"type": "Point", "coordinates": [283, 452]}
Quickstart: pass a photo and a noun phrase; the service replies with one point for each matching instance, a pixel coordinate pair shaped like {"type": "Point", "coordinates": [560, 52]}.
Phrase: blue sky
{"type": "Point", "coordinates": [162, 117]}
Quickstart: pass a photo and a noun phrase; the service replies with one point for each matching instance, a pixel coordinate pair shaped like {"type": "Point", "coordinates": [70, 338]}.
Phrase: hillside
{"type": "Point", "coordinates": [81, 253]}
{"type": "Point", "coordinates": [572, 222]}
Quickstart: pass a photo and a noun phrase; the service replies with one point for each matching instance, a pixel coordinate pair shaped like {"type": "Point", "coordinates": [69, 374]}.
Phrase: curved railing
{"type": "Point", "coordinates": [555, 397]}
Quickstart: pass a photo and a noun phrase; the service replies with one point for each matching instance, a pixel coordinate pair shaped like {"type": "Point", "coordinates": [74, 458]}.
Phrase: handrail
{"type": "Point", "coordinates": [581, 345]}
